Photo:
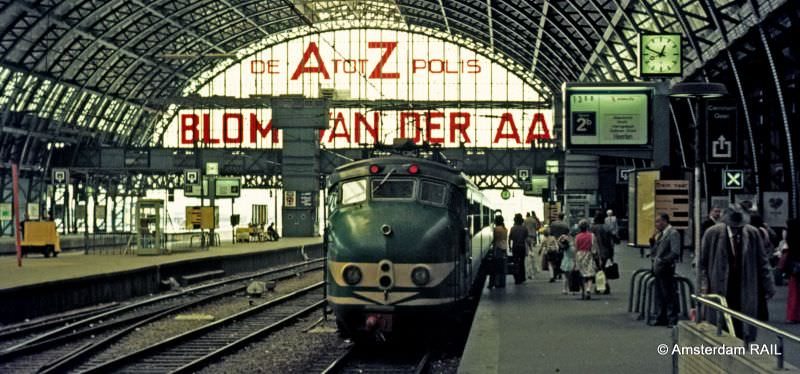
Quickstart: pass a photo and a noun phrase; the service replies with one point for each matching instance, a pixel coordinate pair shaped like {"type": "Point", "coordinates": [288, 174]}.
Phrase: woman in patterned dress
{"type": "Point", "coordinates": [586, 257]}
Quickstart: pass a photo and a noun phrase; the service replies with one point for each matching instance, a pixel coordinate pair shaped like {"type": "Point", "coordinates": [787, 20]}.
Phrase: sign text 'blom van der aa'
{"type": "Point", "coordinates": [350, 128]}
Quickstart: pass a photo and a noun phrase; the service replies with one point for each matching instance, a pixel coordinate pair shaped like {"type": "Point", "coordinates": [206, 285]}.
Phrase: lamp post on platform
{"type": "Point", "coordinates": [700, 91]}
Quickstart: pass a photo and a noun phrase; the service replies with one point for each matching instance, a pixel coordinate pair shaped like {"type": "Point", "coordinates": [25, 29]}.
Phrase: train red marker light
{"type": "Point", "coordinates": [413, 169]}
{"type": "Point", "coordinates": [374, 169]}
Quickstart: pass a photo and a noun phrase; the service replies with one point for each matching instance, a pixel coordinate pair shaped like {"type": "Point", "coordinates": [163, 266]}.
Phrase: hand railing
{"type": "Point", "coordinates": [730, 313]}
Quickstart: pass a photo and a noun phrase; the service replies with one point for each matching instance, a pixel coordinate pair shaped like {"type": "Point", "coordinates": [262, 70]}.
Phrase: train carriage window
{"type": "Point", "coordinates": [431, 192]}
{"type": "Point", "coordinates": [354, 192]}
{"type": "Point", "coordinates": [392, 189]}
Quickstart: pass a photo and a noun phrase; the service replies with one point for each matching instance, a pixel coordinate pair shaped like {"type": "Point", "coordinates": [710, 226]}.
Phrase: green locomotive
{"type": "Point", "coordinates": [406, 238]}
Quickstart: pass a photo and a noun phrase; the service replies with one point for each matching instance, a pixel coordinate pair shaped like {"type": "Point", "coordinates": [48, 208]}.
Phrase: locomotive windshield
{"type": "Point", "coordinates": [432, 192]}
{"type": "Point", "coordinates": [354, 192]}
{"type": "Point", "coordinates": [392, 189]}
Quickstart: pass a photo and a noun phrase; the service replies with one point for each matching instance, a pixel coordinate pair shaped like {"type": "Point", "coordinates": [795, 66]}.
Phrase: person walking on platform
{"type": "Point", "coordinates": [549, 249]}
{"type": "Point", "coordinates": [518, 237]}
{"type": "Point", "coordinates": [664, 253]}
{"type": "Point", "coordinates": [559, 227]}
{"type": "Point", "coordinates": [586, 257]}
{"type": "Point", "coordinates": [790, 264]}
{"type": "Point", "coordinates": [532, 267]}
{"type": "Point", "coordinates": [497, 278]}
{"type": "Point", "coordinates": [612, 226]}
{"type": "Point", "coordinates": [605, 243]}
{"type": "Point", "coordinates": [732, 263]}
{"type": "Point", "coordinates": [565, 244]}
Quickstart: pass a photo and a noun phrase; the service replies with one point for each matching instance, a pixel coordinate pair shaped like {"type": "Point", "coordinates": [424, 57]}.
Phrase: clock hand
{"type": "Point", "coordinates": [662, 51]}
{"type": "Point", "coordinates": [652, 50]}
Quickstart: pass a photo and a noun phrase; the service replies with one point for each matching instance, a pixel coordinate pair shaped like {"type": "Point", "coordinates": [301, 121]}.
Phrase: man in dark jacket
{"type": "Point", "coordinates": [666, 248]}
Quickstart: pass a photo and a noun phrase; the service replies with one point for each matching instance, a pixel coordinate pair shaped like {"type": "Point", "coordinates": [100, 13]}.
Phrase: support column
{"type": "Point", "coordinates": [300, 119]}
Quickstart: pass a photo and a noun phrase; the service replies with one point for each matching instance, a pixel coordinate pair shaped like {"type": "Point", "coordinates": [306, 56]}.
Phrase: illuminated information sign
{"type": "Point", "coordinates": [608, 117]}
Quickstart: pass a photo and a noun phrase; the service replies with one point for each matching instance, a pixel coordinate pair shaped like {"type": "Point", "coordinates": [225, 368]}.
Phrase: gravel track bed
{"type": "Point", "coordinates": [169, 326]}
{"type": "Point", "coordinates": [291, 350]}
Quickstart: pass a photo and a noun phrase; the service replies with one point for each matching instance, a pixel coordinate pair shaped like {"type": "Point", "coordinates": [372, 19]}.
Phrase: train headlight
{"type": "Point", "coordinates": [420, 276]}
{"type": "Point", "coordinates": [352, 275]}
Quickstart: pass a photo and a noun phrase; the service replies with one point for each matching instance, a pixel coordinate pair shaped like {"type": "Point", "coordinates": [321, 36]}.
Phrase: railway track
{"type": "Point", "coordinates": [13, 334]}
{"type": "Point", "coordinates": [194, 349]}
{"type": "Point", "coordinates": [65, 347]}
{"type": "Point", "coordinates": [367, 361]}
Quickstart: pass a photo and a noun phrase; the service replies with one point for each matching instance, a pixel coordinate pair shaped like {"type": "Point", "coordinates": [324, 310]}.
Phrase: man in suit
{"type": "Point", "coordinates": [666, 246]}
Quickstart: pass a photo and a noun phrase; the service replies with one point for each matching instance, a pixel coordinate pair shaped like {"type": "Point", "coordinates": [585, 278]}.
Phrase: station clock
{"type": "Point", "coordinates": [660, 55]}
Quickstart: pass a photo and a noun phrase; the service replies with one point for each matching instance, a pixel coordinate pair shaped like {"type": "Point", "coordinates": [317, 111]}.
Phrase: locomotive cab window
{"type": "Point", "coordinates": [354, 192]}
{"type": "Point", "coordinates": [392, 189]}
{"type": "Point", "coordinates": [431, 192]}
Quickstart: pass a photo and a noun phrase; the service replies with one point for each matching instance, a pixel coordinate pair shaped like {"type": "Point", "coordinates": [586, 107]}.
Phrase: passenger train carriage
{"type": "Point", "coordinates": [406, 238]}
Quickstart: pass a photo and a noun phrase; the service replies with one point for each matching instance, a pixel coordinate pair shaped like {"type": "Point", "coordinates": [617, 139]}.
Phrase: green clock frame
{"type": "Point", "coordinates": [676, 71]}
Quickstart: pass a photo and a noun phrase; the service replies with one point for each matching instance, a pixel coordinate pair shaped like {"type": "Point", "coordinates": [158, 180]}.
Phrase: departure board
{"type": "Point", "coordinates": [608, 118]}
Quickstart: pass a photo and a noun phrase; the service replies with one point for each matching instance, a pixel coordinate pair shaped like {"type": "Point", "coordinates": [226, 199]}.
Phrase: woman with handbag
{"type": "Point", "coordinates": [790, 264]}
{"type": "Point", "coordinates": [586, 257]}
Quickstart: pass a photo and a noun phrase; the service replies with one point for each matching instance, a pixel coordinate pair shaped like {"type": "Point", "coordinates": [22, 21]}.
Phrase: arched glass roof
{"type": "Point", "coordinates": [103, 70]}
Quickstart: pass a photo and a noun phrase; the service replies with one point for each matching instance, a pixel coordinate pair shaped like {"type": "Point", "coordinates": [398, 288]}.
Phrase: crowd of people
{"type": "Point", "coordinates": [574, 256]}
{"type": "Point", "coordinates": [740, 258]}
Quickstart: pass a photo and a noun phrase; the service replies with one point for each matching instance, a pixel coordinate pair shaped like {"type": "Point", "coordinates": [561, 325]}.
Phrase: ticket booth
{"type": "Point", "coordinates": [150, 223]}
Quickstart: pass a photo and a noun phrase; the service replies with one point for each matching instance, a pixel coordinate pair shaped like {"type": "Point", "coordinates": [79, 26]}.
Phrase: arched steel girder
{"type": "Point", "coordinates": [564, 50]}
{"type": "Point", "coordinates": [603, 43]}
{"type": "Point", "coordinates": [169, 81]}
{"type": "Point", "coordinates": [552, 85]}
{"type": "Point", "coordinates": [498, 9]}
{"type": "Point", "coordinates": [598, 11]}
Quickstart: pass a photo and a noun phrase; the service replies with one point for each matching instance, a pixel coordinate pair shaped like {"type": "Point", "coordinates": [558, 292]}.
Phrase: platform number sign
{"type": "Point", "coordinates": [733, 179]}
{"type": "Point", "coordinates": [584, 123]}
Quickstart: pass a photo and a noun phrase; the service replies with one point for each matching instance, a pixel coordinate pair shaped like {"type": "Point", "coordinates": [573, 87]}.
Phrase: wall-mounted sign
{"type": "Point", "coordinates": [306, 199]}
{"type": "Point", "coordinates": [33, 211]}
{"type": "Point", "coordinates": [228, 187]}
{"type": "Point", "coordinates": [775, 208]}
{"type": "Point", "coordinates": [551, 166]}
{"type": "Point", "coordinates": [225, 187]}
{"type": "Point", "coordinates": [191, 176]}
{"type": "Point", "coordinates": [290, 199]}
{"type": "Point", "coordinates": [607, 116]}
{"type": "Point", "coordinates": [672, 198]}
{"type": "Point", "coordinates": [348, 128]}
{"type": "Point", "coordinates": [212, 168]}
{"type": "Point", "coordinates": [722, 132]}
{"type": "Point", "coordinates": [732, 179]}
{"type": "Point", "coordinates": [60, 176]}
{"type": "Point", "coordinates": [6, 211]}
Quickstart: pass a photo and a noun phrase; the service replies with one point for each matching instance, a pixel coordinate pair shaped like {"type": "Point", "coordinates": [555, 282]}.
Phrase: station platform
{"type": "Point", "coordinates": [534, 328]}
{"type": "Point", "coordinates": [72, 280]}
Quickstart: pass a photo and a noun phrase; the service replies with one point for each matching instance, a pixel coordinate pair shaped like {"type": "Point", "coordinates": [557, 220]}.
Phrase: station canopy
{"type": "Point", "coordinates": [109, 72]}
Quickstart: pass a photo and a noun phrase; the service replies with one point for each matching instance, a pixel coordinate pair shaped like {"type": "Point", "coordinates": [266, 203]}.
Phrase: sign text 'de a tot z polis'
{"type": "Point", "coordinates": [381, 62]}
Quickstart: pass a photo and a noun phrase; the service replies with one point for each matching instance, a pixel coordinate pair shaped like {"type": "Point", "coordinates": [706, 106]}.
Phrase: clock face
{"type": "Point", "coordinates": [660, 54]}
